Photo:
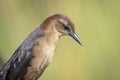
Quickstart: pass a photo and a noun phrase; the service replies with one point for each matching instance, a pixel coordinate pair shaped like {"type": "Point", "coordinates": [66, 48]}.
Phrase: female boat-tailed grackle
{"type": "Point", "coordinates": [35, 53]}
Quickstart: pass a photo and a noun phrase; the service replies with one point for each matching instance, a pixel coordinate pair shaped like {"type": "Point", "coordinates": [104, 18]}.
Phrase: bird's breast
{"type": "Point", "coordinates": [43, 53]}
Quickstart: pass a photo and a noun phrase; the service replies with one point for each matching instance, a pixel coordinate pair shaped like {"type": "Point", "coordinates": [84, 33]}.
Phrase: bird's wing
{"type": "Point", "coordinates": [17, 65]}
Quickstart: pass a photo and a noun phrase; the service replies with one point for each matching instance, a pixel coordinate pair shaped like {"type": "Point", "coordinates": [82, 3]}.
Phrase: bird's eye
{"type": "Point", "coordinates": [66, 28]}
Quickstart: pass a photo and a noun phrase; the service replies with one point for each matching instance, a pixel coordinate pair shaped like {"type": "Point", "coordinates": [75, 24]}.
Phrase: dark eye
{"type": "Point", "coordinates": [66, 28]}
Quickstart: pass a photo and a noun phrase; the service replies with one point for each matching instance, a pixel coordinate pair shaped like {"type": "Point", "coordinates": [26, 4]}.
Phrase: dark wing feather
{"type": "Point", "coordinates": [17, 65]}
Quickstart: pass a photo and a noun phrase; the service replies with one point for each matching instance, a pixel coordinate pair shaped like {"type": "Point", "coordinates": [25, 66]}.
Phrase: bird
{"type": "Point", "coordinates": [36, 52]}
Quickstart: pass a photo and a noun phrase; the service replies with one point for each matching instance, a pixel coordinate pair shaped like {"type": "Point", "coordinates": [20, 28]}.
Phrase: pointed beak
{"type": "Point", "coordinates": [75, 37]}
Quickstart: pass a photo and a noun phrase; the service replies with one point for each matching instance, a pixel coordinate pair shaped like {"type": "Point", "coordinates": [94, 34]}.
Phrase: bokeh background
{"type": "Point", "coordinates": [97, 24]}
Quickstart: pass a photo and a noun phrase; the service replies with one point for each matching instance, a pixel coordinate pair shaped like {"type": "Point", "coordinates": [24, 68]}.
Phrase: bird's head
{"type": "Point", "coordinates": [65, 27]}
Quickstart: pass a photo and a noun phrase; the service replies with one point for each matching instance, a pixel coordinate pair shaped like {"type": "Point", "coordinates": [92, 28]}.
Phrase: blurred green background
{"type": "Point", "coordinates": [97, 24]}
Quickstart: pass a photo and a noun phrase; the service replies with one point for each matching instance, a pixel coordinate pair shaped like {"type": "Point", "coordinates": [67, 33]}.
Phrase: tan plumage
{"type": "Point", "coordinates": [36, 52]}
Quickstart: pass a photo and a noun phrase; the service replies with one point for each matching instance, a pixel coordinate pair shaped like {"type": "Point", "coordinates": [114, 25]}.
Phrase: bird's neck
{"type": "Point", "coordinates": [45, 48]}
{"type": "Point", "coordinates": [51, 34]}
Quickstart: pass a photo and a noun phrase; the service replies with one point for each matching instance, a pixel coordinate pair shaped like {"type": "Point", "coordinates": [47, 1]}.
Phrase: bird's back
{"type": "Point", "coordinates": [17, 65]}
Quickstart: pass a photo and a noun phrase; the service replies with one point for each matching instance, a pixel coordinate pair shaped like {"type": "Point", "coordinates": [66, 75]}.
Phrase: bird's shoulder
{"type": "Point", "coordinates": [20, 60]}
